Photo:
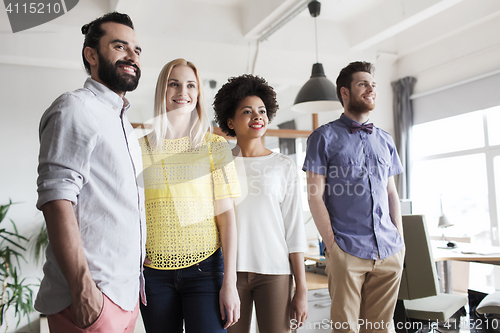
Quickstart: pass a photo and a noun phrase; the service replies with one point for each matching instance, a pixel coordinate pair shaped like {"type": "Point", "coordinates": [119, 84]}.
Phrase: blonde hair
{"type": "Point", "coordinates": [161, 124]}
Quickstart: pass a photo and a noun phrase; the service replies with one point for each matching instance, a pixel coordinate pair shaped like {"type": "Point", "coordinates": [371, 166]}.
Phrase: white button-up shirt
{"type": "Point", "coordinates": [89, 155]}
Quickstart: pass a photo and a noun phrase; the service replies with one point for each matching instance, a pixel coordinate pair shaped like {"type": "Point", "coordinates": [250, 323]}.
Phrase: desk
{"type": "Point", "coordinates": [316, 281]}
{"type": "Point", "coordinates": [318, 300]}
{"type": "Point", "coordinates": [314, 257]}
{"type": "Point", "coordinates": [464, 252]}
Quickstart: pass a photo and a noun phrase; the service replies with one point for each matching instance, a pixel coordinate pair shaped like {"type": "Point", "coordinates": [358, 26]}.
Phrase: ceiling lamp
{"type": "Point", "coordinates": [318, 94]}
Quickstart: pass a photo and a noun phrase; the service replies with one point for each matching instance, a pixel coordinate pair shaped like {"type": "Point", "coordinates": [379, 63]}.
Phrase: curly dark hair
{"type": "Point", "coordinates": [93, 32]}
{"type": "Point", "coordinates": [234, 91]}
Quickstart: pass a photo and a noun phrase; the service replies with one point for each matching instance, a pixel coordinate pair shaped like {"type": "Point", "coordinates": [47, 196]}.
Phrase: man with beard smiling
{"type": "Point", "coordinates": [350, 166]}
{"type": "Point", "coordinates": [88, 190]}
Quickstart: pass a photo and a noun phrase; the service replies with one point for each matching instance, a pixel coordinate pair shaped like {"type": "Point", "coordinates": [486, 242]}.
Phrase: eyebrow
{"type": "Point", "coordinates": [193, 81]}
{"type": "Point", "coordinates": [366, 81]}
{"type": "Point", "coordinates": [248, 106]}
{"type": "Point", "coordinates": [126, 43]}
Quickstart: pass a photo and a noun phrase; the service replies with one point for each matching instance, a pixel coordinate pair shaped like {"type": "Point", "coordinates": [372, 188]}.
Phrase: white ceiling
{"type": "Point", "coordinates": [219, 37]}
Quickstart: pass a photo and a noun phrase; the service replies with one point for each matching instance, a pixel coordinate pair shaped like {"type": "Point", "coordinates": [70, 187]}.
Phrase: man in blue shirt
{"type": "Point", "coordinates": [353, 199]}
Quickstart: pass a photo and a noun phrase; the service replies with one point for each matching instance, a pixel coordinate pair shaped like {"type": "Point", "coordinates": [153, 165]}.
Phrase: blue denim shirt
{"type": "Point", "coordinates": [356, 167]}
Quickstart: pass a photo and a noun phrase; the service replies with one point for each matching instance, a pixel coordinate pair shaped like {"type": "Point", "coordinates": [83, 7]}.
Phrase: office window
{"type": "Point", "coordinates": [496, 165]}
{"type": "Point", "coordinates": [460, 184]}
{"type": "Point", "coordinates": [449, 135]}
{"type": "Point", "coordinates": [456, 161]}
{"type": "Point", "coordinates": [493, 119]}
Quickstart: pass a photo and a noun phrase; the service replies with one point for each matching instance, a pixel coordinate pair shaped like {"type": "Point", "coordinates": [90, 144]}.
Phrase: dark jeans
{"type": "Point", "coordinates": [189, 294]}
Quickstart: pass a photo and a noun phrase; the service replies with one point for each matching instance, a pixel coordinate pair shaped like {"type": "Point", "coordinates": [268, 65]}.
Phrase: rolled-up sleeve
{"type": "Point", "coordinates": [67, 139]}
{"type": "Point", "coordinates": [316, 157]}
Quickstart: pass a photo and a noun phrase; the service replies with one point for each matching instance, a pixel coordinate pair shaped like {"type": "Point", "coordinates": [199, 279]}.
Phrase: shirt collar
{"type": "Point", "coordinates": [121, 105]}
{"type": "Point", "coordinates": [348, 121]}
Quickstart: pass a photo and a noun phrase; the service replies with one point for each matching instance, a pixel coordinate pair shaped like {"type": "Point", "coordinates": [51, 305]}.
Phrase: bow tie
{"type": "Point", "coordinates": [355, 127]}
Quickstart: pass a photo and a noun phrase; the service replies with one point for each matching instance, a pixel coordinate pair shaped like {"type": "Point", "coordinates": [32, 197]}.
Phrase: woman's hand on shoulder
{"type": "Point", "coordinates": [299, 308]}
{"type": "Point", "coordinates": [229, 302]}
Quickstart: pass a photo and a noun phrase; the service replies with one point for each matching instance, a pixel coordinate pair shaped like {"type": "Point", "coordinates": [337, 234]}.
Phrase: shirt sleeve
{"type": "Point", "coordinates": [316, 157]}
{"type": "Point", "coordinates": [291, 210]}
{"type": "Point", "coordinates": [226, 184]}
{"type": "Point", "coordinates": [67, 139]}
{"type": "Point", "coordinates": [396, 166]}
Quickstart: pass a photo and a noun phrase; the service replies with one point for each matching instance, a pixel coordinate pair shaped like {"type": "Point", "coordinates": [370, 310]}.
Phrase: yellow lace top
{"type": "Point", "coordinates": [180, 186]}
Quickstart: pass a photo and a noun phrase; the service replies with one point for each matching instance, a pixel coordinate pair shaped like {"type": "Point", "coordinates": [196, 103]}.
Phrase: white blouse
{"type": "Point", "coordinates": [268, 214]}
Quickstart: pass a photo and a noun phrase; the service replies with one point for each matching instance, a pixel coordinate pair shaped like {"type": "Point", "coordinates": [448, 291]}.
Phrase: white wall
{"type": "Point", "coordinates": [25, 93]}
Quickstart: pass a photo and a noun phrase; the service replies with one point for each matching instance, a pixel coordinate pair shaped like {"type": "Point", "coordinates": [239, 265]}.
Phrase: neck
{"type": "Point", "coordinates": [252, 148]}
{"type": "Point", "coordinates": [180, 123]}
{"type": "Point", "coordinates": [359, 117]}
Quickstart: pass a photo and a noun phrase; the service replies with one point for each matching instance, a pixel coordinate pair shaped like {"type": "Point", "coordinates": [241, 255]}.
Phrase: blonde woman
{"type": "Point", "coordinates": [271, 232]}
{"type": "Point", "coordinates": [190, 183]}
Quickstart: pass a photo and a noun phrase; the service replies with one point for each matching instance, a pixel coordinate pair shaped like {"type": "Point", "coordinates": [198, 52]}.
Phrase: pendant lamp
{"type": "Point", "coordinates": [443, 219]}
{"type": "Point", "coordinates": [318, 94]}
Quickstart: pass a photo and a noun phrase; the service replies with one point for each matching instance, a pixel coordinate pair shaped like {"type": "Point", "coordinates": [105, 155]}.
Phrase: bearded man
{"type": "Point", "coordinates": [88, 190]}
{"type": "Point", "coordinates": [350, 166]}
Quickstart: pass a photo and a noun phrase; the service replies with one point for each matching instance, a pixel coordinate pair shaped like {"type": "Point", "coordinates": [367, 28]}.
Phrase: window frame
{"type": "Point", "coordinates": [490, 152]}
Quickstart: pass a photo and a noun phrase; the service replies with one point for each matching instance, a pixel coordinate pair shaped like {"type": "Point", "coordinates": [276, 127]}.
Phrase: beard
{"type": "Point", "coordinates": [358, 106]}
{"type": "Point", "coordinates": [111, 77]}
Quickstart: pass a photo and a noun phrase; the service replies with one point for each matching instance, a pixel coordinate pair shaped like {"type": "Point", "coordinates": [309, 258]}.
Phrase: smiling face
{"type": "Point", "coordinates": [182, 89]}
{"type": "Point", "coordinates": [250, 118]}
{"type": "Point", "coordinates": [362, 95]}
{"type": "Point", "coordinates": [118, 58]}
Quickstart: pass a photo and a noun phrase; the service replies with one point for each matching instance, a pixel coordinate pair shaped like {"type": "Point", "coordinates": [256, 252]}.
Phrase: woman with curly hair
{"type": "Point", "coordinates": [271, 233]}
{"type": "Point", "coordinates": [190, 182]}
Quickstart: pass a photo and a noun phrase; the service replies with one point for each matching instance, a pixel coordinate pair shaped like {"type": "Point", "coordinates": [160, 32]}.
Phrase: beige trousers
{"type": "Point", "coordinates": [363, 291]}
{"type": "Point", "coordinates": [272, 296]}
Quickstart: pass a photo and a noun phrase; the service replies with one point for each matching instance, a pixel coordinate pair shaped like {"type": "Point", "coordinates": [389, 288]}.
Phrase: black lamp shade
{"type": "Point", "coordinates": [318, 94]}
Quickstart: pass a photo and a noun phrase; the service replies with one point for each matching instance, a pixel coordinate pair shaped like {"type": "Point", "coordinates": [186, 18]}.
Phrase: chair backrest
{"type": "Point", "coordinates": [419, 274]}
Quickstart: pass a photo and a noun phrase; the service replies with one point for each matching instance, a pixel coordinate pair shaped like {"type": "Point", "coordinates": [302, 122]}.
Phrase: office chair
{"type": "Point", "coordinates": [419, 289]}
{"type": "Point", "coordinates": [490, 304]}
{"type": "Point", "coordinates": [488, 312]}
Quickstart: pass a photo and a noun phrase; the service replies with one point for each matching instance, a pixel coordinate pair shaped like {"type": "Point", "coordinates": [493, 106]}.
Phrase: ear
{"type": "Point", "coordinates": [344, 93]}
{"type": "Point", "coordinates": [230, 124]}
{"type": "Point", "coordinates": [91, 56]}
